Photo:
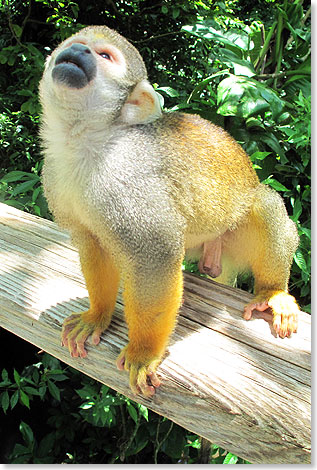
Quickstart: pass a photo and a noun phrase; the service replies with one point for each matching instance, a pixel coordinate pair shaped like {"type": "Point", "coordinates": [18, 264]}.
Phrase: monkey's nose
{"type": "Point", "coordinates": [78, 47]}
{"type": "Point", "coordinates": [75, 66]}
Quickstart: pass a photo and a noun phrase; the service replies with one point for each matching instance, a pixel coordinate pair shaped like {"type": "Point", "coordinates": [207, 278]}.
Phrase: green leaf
{"type": "Point", "coordinates": [18, 176]}
{"type": "Point", "coordinates": [139, 445]}
{"type": "Point", "coordinates": [4, 56]}
{"type": "Point", "coordinates": [17, 377]}
{"type": "Point", "coordinates": [104, 390]}
{"type": "Point", "coordinates": [87, 405]}
{"type": "Point", "coordinates": [175, 13]}
{"type": "Point", "coordinates": [36, 193]}
{"type": "Point", "coordinates": [259, 155]}
{"type": "Point", "coordinates": [253, 122]}
{"type": "Point", "coordinates": [240, 66]}
{"type": "Point", "coordinates": [88, 391]}
{"type": "Point", "coordinates": [17, 30]}
{"type": "Point", "coordinates": [25, 93]}
{"type": "Point", "coordinates": [230, 459]}
{"type": "Point", "coordinates": [245, 97]}
{"type": "Point", "coordinates": [175, 442]}
{"type": "Point", "coordinates": [4, 375]}
{"type": "Point", "coordinates": [306, 232]}
{"type": "Point", "coordinates": [275, 184]}
{"type": "Point", "coordinates": [42, 391]}
{"type": "Point", "coordinates": [270, 139]}
{"type": "Point", "coordinates": [27, 434]}
{"type": "Point", "coordinates": [21, 454]}
{"type": "Point", "coordinates": [132, 412]}
{"type": "Point", "coordinates": [46, 445]}
{"type": "Point", "coordinates": [193, 443]}
{"type": "Point", "coordinates": [235, 38]}
{"type": "Point", "coordinates": [31, 391]}
{"type": "Point", "coordinates": [203, 84]}
{"type": "Point", "coordinates": [54, 390]}
{"type": "Point", "coordinates": [143, 411]}
{"type": "Point", "coordinates": [297, 210]}
{"type": "Point", "coordinates": [169, 91]}
{"type": "Point", "coordinates": [300, 260]}
{"type": "Point", "coordinates": [24, 399]}
{"type": "Point", "coordinates": [14, 399]}
{"type": "Point", "coordinates": [57, 372]}
{"type": "Point", "coordinates": [5, 401]}
{"type": "Point", "coordinates": [24, 187]}
{"type": "Point", "coordinates": [11, 59]}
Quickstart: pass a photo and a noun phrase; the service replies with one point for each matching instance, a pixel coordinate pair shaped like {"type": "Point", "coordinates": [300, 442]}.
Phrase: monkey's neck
{"type": "Point", "coordinates": [77, 127]}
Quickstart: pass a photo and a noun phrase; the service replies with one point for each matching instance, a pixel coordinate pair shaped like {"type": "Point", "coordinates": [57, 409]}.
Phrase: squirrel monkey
{"type": "Point", "coordinates": [137, 188]}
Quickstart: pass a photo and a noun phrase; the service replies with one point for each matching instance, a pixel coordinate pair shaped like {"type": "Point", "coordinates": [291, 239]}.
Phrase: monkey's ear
{"type": "Point", "coordinates": [142, 106]}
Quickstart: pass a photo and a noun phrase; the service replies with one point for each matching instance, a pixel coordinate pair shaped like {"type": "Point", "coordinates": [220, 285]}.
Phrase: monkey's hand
{"type": "Point", "coordinates": [75, 332]}
{"type": "Point", "coordinates": [143, 378]}
{"type": "Point", "coordinates": [283, 307]}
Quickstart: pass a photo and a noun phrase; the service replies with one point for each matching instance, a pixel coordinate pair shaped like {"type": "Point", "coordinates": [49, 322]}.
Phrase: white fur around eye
{"type": "Point", "coordinates": [115, 66]}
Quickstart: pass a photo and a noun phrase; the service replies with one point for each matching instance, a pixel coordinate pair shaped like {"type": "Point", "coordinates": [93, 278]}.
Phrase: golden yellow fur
{"type": "Point", "coordinates": [140, 189]}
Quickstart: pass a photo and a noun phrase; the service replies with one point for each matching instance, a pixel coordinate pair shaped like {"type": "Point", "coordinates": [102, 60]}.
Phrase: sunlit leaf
{"type": "Point", "coordinates": [230, 459]}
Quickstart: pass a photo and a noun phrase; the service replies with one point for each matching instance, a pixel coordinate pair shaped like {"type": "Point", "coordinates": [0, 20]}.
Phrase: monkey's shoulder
{"type": "Point", "coordinates": [191, 126]}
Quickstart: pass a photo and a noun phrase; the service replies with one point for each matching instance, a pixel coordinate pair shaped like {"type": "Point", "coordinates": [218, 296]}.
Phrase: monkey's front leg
{"type": "Point", "coordinates": [102, 281]}
{"type": "Point", "coordinates": [151, 309]}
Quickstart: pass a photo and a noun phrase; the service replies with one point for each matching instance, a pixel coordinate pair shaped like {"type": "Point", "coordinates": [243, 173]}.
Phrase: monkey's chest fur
{"type": "Point", "coordinates": [141, 185]}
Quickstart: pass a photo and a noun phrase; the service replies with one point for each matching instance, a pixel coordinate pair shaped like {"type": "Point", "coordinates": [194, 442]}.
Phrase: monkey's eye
{"type": "Point", "coordinates": [105, 55]}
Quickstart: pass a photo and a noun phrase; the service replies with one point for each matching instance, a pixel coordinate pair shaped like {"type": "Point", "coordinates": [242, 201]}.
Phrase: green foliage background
{"type": "Point", "coordinates": [243, 64]}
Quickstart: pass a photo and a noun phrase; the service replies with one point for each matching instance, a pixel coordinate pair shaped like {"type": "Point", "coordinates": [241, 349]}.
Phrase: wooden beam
{"type": "Point", "coordinates": [231, 381]}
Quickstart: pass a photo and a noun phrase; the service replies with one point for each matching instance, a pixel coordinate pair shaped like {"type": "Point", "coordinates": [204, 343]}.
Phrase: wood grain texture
{"type": "Point", "coordinates": [231, 381]}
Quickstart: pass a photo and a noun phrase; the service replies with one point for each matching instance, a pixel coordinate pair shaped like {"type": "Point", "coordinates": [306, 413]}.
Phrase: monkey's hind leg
{"type": "Point", "coordinates": [151, 306]}
{"type": "Point", "coordinates": [267, 242]}
{"type": "Point", "coordinates": [102, 281]}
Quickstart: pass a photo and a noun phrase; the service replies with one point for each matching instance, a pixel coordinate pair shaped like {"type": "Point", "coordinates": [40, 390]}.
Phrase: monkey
{"type": "Point", "coordinates": [210, 260]}
{"type": "Point", "coordinates": [139, 189]}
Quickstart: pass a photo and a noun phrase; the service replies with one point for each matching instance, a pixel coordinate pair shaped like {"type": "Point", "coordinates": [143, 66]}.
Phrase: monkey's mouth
{"type": "Point", "coordinates": [74, 67]}
{"type": "Point", "coordinates": [70, 74]}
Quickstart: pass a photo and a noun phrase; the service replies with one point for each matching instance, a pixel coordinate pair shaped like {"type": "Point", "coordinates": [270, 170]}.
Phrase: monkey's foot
{"type": "Point", "coordinates": [75, 332]}
{"type": "Point", "coordinates": [283, 308]}
{"type": "Point", "coordinates": [143, 377]}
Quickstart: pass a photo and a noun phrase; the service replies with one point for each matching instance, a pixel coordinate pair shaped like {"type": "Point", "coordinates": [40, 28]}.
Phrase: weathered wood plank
{"type": "Point", "coordinates": [231, 381]}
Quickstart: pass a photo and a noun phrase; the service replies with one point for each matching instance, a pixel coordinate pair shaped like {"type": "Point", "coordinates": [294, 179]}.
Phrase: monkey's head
{"type": "Point", "coordinates": [98, 70]}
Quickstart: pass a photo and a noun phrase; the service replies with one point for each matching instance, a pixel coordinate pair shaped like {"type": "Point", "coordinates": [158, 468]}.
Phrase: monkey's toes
{"type": "Point", "coordinates": [285, 314]}
{"type": "Point", "coordinates": [120, 362]}
{"type": "Point", "coordinates": [75, 333]}
{"type": "Point", "coordinates": [143, 378]}
{"type": "Point", "coordinates": [248, 309]}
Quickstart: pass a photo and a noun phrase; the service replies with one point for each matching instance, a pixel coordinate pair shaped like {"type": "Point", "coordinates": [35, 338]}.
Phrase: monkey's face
{"type": "Point", "coordinates": [96, 63]}
{"type": "Point", "coordinates": [76, 62]}
{"type": "Point", "coordinates": [97, 74]}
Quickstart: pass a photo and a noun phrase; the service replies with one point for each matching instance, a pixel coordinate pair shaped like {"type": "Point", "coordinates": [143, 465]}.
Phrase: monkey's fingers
{"type": "Point", "coordinates": [75, 341]}
{"type": "Point", "coordinates": [282, 307]}
{"type": "Point", "coordinates": [75, 333]}
{"type": "Point", "coordinates": [68, 326]}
